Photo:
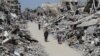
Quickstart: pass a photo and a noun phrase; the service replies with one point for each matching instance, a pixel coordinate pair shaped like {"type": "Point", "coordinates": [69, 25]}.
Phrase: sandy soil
{"type": "Point", "coordinates": [51, 47]}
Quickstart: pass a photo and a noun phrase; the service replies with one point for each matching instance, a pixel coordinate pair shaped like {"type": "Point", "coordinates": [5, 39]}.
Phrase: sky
{"type": "Point", "coordinates": [34, 3]}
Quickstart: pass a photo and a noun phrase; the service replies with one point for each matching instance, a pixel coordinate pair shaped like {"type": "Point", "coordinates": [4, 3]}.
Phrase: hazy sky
{"type": "Point", "coordinates": [34, 3]}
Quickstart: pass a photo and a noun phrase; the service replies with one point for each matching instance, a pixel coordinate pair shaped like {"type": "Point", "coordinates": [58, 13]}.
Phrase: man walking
{"type": "Point", "coordinates": [46, 35]}
{"type": "Point", "coordinates": [39, 26]}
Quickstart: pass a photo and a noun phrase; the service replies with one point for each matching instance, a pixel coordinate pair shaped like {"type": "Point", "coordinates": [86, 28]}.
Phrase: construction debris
{"type": "Point", "coordinates": [15, 40]}
{"type": "Point", "coordinates": [80, 31]}
{"type": "Point", "coordinates": [69, 23]}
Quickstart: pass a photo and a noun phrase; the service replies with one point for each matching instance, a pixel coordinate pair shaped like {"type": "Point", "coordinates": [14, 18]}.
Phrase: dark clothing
{"type": "Point", "coordinates": [39, 26]}
{"type": "Point", "coordinates": [59, 40]}
{"type": "Point", "coordinates": [46, 35]}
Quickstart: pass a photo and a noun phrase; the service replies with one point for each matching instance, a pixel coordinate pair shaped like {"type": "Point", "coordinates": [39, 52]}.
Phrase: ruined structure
{"type": "Point", "coordinates": [91, 5]}
{"type": "Point", "coordinates": [51, 9]}
{"type": "Point", "coordinates": [12, 6]}
{"type": "Point", "coordinates": [69, 3]}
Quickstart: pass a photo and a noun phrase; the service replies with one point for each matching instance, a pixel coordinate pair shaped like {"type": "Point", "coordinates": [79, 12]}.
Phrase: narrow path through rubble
{"type": "Point", "coordinates": [51, 47]}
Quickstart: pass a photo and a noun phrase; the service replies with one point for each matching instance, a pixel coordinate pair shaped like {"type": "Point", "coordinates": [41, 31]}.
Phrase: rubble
{"type": "Point", "coordinates": [15, 40]}
{"type": "Point", "coordinates": [76, 28]}
{"type": "Point", "coordinates": [80, 31]}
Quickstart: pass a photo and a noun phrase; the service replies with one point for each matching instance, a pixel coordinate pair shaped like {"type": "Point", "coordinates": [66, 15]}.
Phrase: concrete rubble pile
{"type": "Point", "coordinates": [78, 31]}
{"type": "Point", "coordinates": [15, 40]}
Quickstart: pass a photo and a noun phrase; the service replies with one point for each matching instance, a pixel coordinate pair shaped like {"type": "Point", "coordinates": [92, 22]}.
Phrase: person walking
{"type": "Point", "coordinates": [59, 38]}
{"type": "Point", "coordinates": [46, 35]}
{"type": "Point", "coordinates": [39, 26]}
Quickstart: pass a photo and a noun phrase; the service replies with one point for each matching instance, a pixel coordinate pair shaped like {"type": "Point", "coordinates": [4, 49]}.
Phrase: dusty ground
{"type": "Point", "coordinates": [51, 47]}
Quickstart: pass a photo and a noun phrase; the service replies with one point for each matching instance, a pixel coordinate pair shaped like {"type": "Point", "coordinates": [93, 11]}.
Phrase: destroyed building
{"type": "Point", "coordinates": [81, 31]}
{"type": "Point", "coordinates": [11, 6]}
{"type": "Point", "coordinates": [51, 9]}
{"type": "Point", "coordinates": [13, 31]}
{"type": "Point", "coordinates": [69, 3]}
{"type": "Point", "coordinates": [91, 5]}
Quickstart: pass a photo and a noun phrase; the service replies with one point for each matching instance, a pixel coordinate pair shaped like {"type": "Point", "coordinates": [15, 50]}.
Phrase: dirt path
{"type": "Point", "coordinates": [52, 47]}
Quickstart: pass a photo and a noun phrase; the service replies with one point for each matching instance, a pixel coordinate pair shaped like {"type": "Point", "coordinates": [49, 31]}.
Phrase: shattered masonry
{"type": "Point", "coordinates": [15, 40]}
{"type": "Point", "coordinates": [78, 25]}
